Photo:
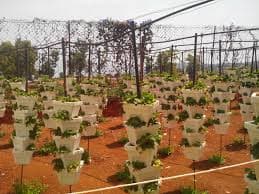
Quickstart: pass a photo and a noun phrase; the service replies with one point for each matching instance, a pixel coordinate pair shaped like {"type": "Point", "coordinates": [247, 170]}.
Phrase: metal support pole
{"type": "Point", "coordinates": [203, 60]}
{"type": "Point", "coordinates": [252, 63]}
{"type": "Point", "coordinates": [213, 44]}
{"type": "Point", "coordinates": [220, 64]}
{"type": "Point", "coordinates": [182, 63]}
{"type": "Point", "coordinates": [64, 67]}
{"type": "Point", "coordinates": [48, 63]}
{"type": "Point", "coordinates": [171, 61]}
{"type": "Point", "coordinates": [99, 61]}
{"type": "Point", "coordinates": [69, 49]}
{"type": "Point", "coordinates": [132, 25]}
{"type": "Point", "coordinates": [221, 145]}
{"type": "Point", "coordinates": [151, 64]}
{"type": "Point", "coordinates": [194, 59]}
{"type": "Point", "coordinates": [89, 61]}
{"type": "Point", "coordinates": [194, 176]}
{"type": "Point", "coordinates": [26, 68]}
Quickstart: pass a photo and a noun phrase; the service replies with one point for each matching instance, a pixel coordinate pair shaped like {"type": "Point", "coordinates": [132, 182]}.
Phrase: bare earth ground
{"type": "Point", "coordinates": [108, 157]}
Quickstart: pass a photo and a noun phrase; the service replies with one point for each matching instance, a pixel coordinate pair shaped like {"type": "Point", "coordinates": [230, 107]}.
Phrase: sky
{"type": "Point", "coordinates": [223, 12]}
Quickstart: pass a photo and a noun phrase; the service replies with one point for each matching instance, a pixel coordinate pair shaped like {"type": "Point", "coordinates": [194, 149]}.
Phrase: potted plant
{"type": "Point", "coordinates": [72, 105]}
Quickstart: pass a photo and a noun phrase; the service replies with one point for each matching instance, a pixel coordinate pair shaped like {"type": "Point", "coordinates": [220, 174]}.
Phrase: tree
{"type": "Point", "coordinates": [189, 68]}
{"type": "Point", "coordinates": [48, 67]}
{"type": "Point", "coordinates": [21, 46]}
{"type": "Point", "coordinates": [7, 60]}
{"type": "Point", "coordinates": [164, 59]}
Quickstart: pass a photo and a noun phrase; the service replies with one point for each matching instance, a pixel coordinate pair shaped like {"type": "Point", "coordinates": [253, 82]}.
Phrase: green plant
{"type": "Point", "coordinates": [150, 187]}
{"type": "Point", "coordinates": [135, 122]}
{"type": "Point", "coordinates": [170, 117]}
{"type": "Point", "coordinates": [172, 98]}
{"type": "Point", "coordinates": [203, 129]}
{"type": "Point", "coordinates": [255, 150]}
{"type": "Point", "coordinates": [165, 106]}
{"type": "Point", "coordinates": [190, 101]}
{"type": "Point", "coordinates": [165, 151]}
{"type": "Point", "coordinates": [183, 116]}
{"type": "Point", "coordinates": [45, 116]}
{"type": "Point", "coordinates": [62, 115]}
{"type": "Point", "coordinates": [209, 122]}
{"type": "Point", "coordinates": [197, 86]}
{"type": "Point", "coordinates": [190, 190]}
{"type": "Point", "coordinates": [250, 173]}
{"type": "Point", "coordinates": [217, 159]}
{"type": "Point", "coordinates": [84, 124]}
{"type": "Point", "coordinates": [98, 133]}
{"type": "Point", "coordinates": [72, 166]}
{"type": "Point", "coordinates": [202, 101]}
{"type": "Point", "coordinates": [66, 99]}
{"type": "Point", "coordinates": [47, 148]}
{"type": "Point", "coordinates": [58, 164]}
{"type": "Point", "coordinates": [225, 101]}
{"type": "Point", "coordinates": [189, 130]}
{"type": "Point", "coordinates": [198, 116]}
{"type": "Point", "coordinates": [35, 132]}
{"type": "Point", "coordinates": [31, 147]}
{"type": "Point", "coordinates": [146, 98]}
{"type": "Point", "coordinates": [219, 111]}
{"type": "Point", "coordinates": [2, 134]}
{"type": "Point", "coordinates": [68, 133]}
{"type": "Point", "coordinates": [30, 120]}
{"type": "Point", "coordinates": [157, 163]}
{"type": "Point", "coordinates": [152, 121]}
{"type": "Point", "coordinates": [185, 142]}
{"type": "Point", "coordinates": [86, 157]}
{"type": "Point", "coordinates": [256, 121]}
{"type": "Point", "coordinates": [124, 175]}
{"type": "Point", "coordinates": [216, 100]}
{"type": "Point", "coordinates": [148, 141]}
{"type": "Point", "coordinates": [196, 144]}
{"type": "Point", "coordinates": [138, 165]}
{"type": "Point", "coordinates": [238, 141]}
{"type": "Point", "coordinates": [123, 140]}
{"type": "Point", "coordinates": [63, 150]}
{"type": "Point", "coordinates": [34, 187]}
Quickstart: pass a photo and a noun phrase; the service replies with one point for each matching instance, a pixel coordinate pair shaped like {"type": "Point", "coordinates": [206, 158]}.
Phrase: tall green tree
{"type": "Point", "coordinates": [48, 67]}
{"type": "Point", "coordinates": [21, 46]}
{"type": "Point", "coordinates": [7, 59]}
{"type": "Point", "coordinates": [164, 59]}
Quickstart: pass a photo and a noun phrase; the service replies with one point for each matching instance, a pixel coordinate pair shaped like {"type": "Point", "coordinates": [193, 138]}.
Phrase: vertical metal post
{"type": "Point", "coordinates": [89, 61]}
{"type": "Point", "coordinates": [99, 61]}
{"type": "Point", "coordinates": [171, 60]}
{"type": "Point", "coordinates": [142, 55]}
{"type": "Point", "coordinates": [151, 64]}
{"type": "Point", "coordinates": [220, 64]}
{"type": "Point", "coordinates": [132, 26]}
{"type": "Point", "coordinates": [252, 63]}
{"type": "Point", "coordinates": [26, 68]}
{"type": "Point", "coordinates": [160, 62]}
{"type": "Point", "coordinates": [182, 63]}
{"type": "Point", "coordinates": [130, 57]}
{"type": "Point", "coordinates": [255, 54]}
{"type": "Point", "coordinates": [194, 59]}
{"type": "Point", "coordinates": [194, 176]}
{"type": "Point", "coordinates": [233, 58]}
{"type": "Point", "coordinates": [213, 44]}
{"type": "Point", "coordinates": [48, 63]}
{"type": "Point", "coordinates": [69, 49]}
{"type": "Point", "coordinates": [39, 63]}
{"type": "Point", "coordinates": [203, 60]}
{"type": "Point", "coordinates": [64, 67]}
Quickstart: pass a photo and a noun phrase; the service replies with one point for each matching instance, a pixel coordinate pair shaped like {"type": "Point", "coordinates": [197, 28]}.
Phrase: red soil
{"type": "Point", "coordinates": [108, 157]}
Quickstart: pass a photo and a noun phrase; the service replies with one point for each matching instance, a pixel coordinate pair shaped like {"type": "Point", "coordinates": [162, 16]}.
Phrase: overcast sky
{"type": "Point", "coordinates": [239, 12]}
